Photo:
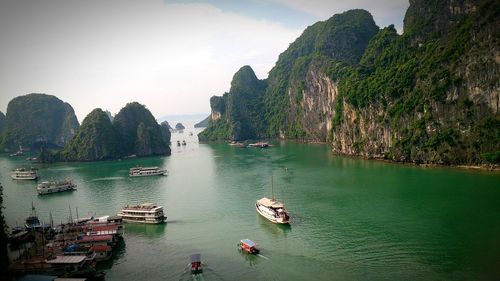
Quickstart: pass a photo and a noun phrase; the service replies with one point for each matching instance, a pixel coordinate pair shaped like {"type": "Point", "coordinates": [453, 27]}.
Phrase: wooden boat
{"type": "Point", "coordinates": [196, 267]}
{"type": "Point", "coordinates": [248, 246]}
{"type": "Point", "coordinates": [272, 210]}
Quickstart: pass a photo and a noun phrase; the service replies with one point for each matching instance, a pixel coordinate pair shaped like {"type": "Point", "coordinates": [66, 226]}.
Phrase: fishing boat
{"type": "Point", "coordinates": [144, 213]}
{"type": "Point", "coordinates": [248, 246]}
{"type": "Point", "coordinates": [196, 267]}
{"type": "Point", "coordinates": [272, 210]}
{"type": "Point", "coordinates": [32, 222]}
{"type": "Point", "coordinates": [147, 171]}
{"type": "Point", "coordinates": [24, 174]}
{"type": "Point", "coordinates": [47, 187]}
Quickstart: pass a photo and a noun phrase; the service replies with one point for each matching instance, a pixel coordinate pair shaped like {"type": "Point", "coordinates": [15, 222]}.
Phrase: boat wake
{"type": "Point", "coordinates": [108, 179]}
{"type": "Point", "coordinates": [262, 256]}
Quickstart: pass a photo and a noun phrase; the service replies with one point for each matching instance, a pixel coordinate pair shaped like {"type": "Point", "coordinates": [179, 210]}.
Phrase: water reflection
{"type": "Point", "coordinates": [146, 230]}
{"type": "Point", "coordinates": [275, 229]}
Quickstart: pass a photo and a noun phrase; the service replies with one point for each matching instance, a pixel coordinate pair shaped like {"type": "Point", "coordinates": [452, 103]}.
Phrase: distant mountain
{"type": "Point", "coordinates": [179, 126]}
{"type": "Point", "coordinates": [429, 95]}
{"type": "Point", "coordinates": [203, 123]}
{"type": "Point", "coordinates": [38, 118]}
{"type": "Point", "coordinates": [166, 131]}
{"type": "Point", "coordinates": [133, 132]}
{"type": "Point", "coordinates": [183, 117]}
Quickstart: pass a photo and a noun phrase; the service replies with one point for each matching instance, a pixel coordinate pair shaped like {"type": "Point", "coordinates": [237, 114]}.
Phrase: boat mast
{"type": "Point", "coordinates": [272, 188]}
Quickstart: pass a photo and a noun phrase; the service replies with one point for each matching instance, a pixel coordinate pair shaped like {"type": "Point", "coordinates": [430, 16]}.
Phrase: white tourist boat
{"type": "Point", "coordinates": [144, 213]}
{"type": "Point", "coordinates": [24, 174]}
{"type": "Point", "coordinates": [147, 171]}
{"type": "Point", "coordinates": [272, 210]}
{"type": "Point", "coordinates": [47, 187]}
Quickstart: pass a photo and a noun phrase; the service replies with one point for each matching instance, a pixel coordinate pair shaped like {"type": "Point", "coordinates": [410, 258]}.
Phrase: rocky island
{"type": "Point", "coordinates": [429, 95]}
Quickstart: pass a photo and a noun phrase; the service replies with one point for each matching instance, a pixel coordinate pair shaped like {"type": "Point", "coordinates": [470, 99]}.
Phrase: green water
{"type": "Point", "coordinates": [352, 219]}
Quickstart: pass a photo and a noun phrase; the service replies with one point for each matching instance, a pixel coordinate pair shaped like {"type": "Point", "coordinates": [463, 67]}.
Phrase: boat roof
{"type": "Point", "coordinates": [68, 259]}
{"type": "Point", "coordinates": [249, 242]}
{"type": "Point", "coordinates": [143, 206]}
{"type": "Point", "coordinates": [196, 258]}
{"type": "Point", "coordinates": [270, 203]}
{"type": "Point", "coordinates": [96, 238]}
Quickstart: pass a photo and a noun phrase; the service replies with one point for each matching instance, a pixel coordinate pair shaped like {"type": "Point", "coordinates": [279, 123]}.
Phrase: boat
{"type": "Point", "coordinates": [55, 186]}
{"type": "Point", "coordinates": [248, 246]}
{"type": "Point", "coordinates": [237, 144]}
{"type": "Point", "coordinates": [196, 267]}
{"type": "Point", "coordinates": [24, 174]}
{"type": "Point", "coordinates": [144, 213]}
{"type": "Point", "coordinates": [272, 210]}
{"type": "Point", "coordinates": [147, 171]}
{"type": "Point", "coordinates": [260, 144]}
{"type": "Point", "coordinates": [32, 222]}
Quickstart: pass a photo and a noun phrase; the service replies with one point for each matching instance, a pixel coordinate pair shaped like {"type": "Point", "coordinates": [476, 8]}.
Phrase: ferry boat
{"type": "Point", "coordinates": [248, 246]}
{"type": "Point", "coordinates": [143, 213]}
{"type": "Point", "coordinates": [24, 174]}
{"type": "Point", "coordinates": [55, 186]}
{"type": "Point", "coordinates": [147, 171]}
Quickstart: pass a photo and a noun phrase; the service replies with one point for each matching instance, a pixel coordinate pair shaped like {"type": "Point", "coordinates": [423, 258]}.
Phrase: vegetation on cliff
{"type": "Point", "coordinates": [429, 95]}
{"type": "Point", "coordinates": [423, 84]}
{"type": "Point", "coordinates": [203, 123]}
{"type": "Point", "coordinates": [96, 140]}
{"type": "Point", "coordinates": [133, 132]}
{"type": "Point", "coordinates": [36, 118]}
{"type": "Point", "coordinates": [240, 110]}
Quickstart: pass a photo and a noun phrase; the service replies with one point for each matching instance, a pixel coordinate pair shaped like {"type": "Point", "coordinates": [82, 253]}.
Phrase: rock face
{"type": "Point", "coordinates": [3, 122]}
{"type": "Point", "coordinates": [133, 132]}
{"type": "Point", "coordinates": [96, 140]}
{"type": "Point", "coordinates": [203, 123]}
{"type": "Point", "coordinates": [39, 118]}
{"type": "Point", "coordinates": [431, 95]}
{"type": "Point", "coordinates": [139, 132]}
{"type": "Point", "coordinates": [165, 131]}
{"type": "Point", "coordinates": [237, 114]}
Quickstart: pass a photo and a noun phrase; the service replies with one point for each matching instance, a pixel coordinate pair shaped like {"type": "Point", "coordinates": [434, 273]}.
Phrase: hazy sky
{"type": "Point", "coordinates": [170, 55]}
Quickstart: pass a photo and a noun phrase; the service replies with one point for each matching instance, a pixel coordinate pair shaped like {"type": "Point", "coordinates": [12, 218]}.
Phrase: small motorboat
{"type": "Point", "coordinates": [248, 246]}
{"type": "Point", "coordinates": [196, 267]}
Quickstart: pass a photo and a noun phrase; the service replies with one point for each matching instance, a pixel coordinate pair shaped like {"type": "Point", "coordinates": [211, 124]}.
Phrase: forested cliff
{"type": "Point", "coordinates": [430, 95]}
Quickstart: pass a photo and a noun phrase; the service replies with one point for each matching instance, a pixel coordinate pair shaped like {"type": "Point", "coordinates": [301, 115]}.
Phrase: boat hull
{"type": "Point", "coordinates": [55, 190]}
{"type": "Point", "coordinates": [271, 218]}
{"type": "Point", "coordinates": [159, 221]}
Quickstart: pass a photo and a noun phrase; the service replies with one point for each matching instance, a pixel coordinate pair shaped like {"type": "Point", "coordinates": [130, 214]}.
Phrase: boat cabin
{"type": "Point", "coordinates": [196, 267]}
{"type": "Point", "coordinates": [248, 246]}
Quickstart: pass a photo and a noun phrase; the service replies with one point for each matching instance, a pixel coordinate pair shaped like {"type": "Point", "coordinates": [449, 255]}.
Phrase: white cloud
{"type": "Point", "coordinates": [170, 57]}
